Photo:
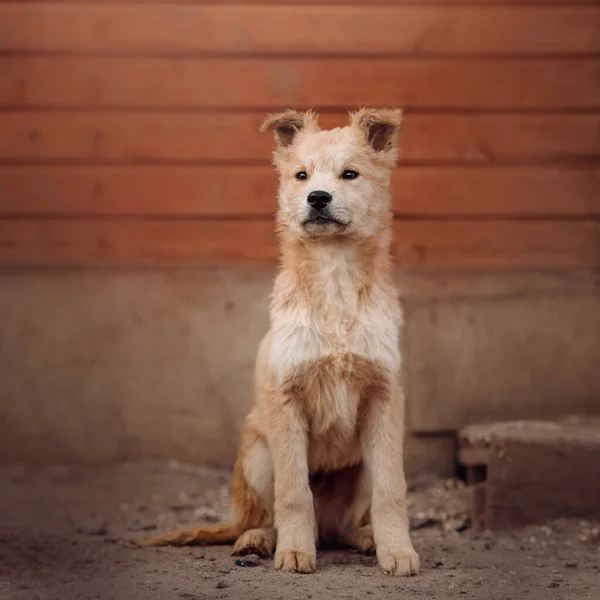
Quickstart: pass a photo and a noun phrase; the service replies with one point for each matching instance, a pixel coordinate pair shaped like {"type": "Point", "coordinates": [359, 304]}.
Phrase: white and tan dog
{"type": "Point", "coordinates": [321, 450]}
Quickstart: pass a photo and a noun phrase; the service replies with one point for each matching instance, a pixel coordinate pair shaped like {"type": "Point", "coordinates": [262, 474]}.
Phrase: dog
{"type": "Point", "coordinates": [321, 453]}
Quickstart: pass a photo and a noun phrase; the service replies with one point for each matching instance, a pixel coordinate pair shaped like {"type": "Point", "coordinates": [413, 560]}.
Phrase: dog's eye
{"type": "Point", "coordinates": [349, 174]}
{"type": "Point", "coordinates": [300, 175]}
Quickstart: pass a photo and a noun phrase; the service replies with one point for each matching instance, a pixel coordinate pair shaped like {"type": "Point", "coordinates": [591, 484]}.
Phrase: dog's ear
{"type": "Point", "coordinates": [379, 125]}
{"type": "Point", "coordinates": [286, 125]}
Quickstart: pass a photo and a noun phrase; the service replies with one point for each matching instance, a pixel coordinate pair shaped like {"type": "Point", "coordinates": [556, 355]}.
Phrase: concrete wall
{"type": "Point", "coordinates": [109, 364]}
{"type": "Point", "coordinates": [513, 345]}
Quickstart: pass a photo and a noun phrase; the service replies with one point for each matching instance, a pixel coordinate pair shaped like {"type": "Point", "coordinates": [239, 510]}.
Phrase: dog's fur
{"type": "Point", "coordinates": [321, 450]}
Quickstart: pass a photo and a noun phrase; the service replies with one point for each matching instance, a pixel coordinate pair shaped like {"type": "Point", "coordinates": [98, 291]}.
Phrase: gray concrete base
{"type": "Point", "coordinates": [100, 365]}
{"type": "Point", "coordinates": [507, 346]}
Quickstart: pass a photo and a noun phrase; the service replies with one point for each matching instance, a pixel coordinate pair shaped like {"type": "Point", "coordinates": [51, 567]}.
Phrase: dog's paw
{"type": "Point", "coordinates": [362, 539]}
{"type": "Point", "coordinates": [402, 562]}
{"type": "Point", "coordinates": [255, 541]}
{"type": "Point", "coordinates": [295, 561]}
{"type": "Point", "coordinates": [365, 543]}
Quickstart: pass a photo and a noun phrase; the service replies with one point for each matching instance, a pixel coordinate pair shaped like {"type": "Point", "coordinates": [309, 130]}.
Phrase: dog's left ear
{"type": "Point", "coordinates": [286, 125]}
{"type": "Point", "coordinates": [379, 125]}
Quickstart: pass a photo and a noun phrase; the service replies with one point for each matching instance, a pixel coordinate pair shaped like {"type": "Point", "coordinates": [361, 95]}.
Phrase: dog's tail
{"type": "Point", "coordinates": [203, 535]}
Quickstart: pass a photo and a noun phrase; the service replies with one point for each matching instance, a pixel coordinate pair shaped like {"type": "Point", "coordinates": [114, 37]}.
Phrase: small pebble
{"type": "Point", "coordinates": [421, 523]}
{"type": "Point", "coordinates": [572, 564]}
{"type": "Point", "coordinates": [93, 527]}
{"type": "Point", "coordinates": [143, 525]}
{"type": "Point", "coordinates": [251, 560]}
{"type": "Point", "coordinates": [459, 524]}
{"type": "Point", "coordinates": [221, 585]}
{"type": "Point", "coordinates": [207, 514]}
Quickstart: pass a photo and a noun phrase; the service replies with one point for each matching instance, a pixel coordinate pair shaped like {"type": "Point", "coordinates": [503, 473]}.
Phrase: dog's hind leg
{"type": "Point", "coordinates": [260, 541]}
{"type": "Point", "coordinates": [252, 505]}
{"type": "Point", "coordinates": [358, 531]}
{"type": "Point", "coordinates": [361, 539]}
{"type": "Point", "coordinates": [343, 500]}
{"type": "Point", "coordinates": [253, 497]}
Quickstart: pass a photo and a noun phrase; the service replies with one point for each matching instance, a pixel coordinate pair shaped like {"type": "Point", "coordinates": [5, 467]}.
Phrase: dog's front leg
{"type": "Point", "coordinates": [382, 442]}
{"type": "Point", "coordinates": [294, 508]}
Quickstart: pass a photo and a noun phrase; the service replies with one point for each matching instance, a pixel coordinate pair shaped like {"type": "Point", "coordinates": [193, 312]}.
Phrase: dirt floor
{"type": "Point", "coordinates": [63, 536]}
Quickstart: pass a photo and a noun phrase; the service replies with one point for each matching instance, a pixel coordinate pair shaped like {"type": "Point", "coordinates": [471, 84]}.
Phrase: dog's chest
{"type": "Point", "coordinates": [340, 327]}
{"type": "Point", "coordinates": [332, 393]}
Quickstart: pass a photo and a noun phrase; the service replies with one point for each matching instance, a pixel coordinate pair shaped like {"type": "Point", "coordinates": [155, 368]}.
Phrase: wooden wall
{"type": "Point", "coordinates": [128, 129]}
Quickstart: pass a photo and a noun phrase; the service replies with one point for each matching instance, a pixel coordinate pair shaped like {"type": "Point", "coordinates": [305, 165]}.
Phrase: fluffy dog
{"type": "Point", "coordinates": [320, 459]}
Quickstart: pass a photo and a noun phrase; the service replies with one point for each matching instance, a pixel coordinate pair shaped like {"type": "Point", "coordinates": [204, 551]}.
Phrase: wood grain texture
{"type": "Point", "coordinates": [242, 191]}
{"type": "Point", "coordinates": [298, 29]}
{"type": "Point", "coordinates": [418, 243]}
{"type": "Point", "coordinates": [497, 244]}
{"type": "Point", "coordinates": [129, 129]}
{"type": "Point", "coordinates": [186, 83]}
{"type": "Point", "coordinates": [374, 3]}
{"type": "Point", "coordinates": [233, 138]}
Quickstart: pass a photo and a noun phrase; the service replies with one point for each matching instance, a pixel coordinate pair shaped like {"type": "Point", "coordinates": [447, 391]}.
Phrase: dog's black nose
{"type": "Point", "coordinates": [319, 199]}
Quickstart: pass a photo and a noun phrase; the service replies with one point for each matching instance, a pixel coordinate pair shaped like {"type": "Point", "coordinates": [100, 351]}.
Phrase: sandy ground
{"type": "Point", "coordinates": [63, 536]}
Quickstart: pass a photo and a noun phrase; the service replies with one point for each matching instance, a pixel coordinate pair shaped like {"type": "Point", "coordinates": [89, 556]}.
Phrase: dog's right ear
{"type": "Point", "coordinates": [286, 125]}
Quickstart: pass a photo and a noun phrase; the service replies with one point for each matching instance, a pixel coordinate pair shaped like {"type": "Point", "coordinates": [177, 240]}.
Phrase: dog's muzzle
{"type": "Point", "coordinates": [319, 214]}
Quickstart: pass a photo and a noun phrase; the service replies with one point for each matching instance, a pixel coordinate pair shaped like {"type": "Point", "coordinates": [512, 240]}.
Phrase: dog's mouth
{"type": "Point", "coordinates": [323, 221]}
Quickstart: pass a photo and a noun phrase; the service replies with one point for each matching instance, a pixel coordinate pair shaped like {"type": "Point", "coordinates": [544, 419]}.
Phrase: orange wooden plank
{"type": "Point", "coordinates": [234, 137]}
{"type": "Point", "coordinates": [318, 2]}
{"type": "Point", "coordinates": [247, 29]}
{"type": "Point", "coordinates": [270, 83]}
{"type": "Point", "coordinates": [454, 192]}
{"type": "Point", "coordinates": [78, 241]}
{"type": "Point", "coordinates": [237, 191]}
{"type": "Point", "coordinates": [172, 191]}
{"type": "Point", "coordinates": [418, 243]}
{"type": "Point", "coordinates": [497, 244]}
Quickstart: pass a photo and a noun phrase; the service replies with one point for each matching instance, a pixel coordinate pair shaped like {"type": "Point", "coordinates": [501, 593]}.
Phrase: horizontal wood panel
{"type": "Point", "coordinates": [299, 29]}
{"type": "Point", "coordinates": [231, 138]}
{"type": "Point", "coordinates": [251, 191]}
{"type": "Point", "coordinates": [319, 2]}
{"type": "Point", "coordinates": [420, 243]}
{"type": "Point", "coordinates": [271, 83]}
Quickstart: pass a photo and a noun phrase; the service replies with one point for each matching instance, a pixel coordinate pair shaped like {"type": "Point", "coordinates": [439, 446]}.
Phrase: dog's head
{"type": "Point", "coordinates": [334, 182]}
